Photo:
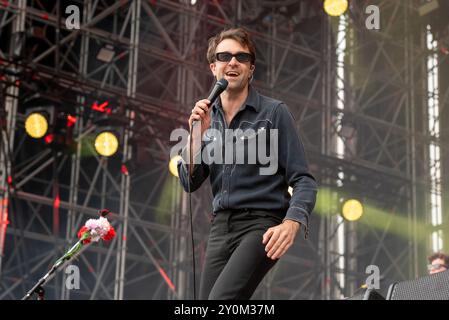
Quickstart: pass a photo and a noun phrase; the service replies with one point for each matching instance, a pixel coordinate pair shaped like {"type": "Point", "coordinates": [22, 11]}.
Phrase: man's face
{"type": "Point", "coordinates": [237, 73]}
{"type": "Point", "coordinates": [438, 266]}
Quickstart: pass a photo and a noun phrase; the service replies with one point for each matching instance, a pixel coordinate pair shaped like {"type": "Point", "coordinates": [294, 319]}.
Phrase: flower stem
{"type": "Point", "coordinates": [73, 250]}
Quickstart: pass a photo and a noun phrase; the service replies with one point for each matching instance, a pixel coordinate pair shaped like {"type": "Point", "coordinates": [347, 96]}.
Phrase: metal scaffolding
{"type": "Point", "coordinates": [156, 71]}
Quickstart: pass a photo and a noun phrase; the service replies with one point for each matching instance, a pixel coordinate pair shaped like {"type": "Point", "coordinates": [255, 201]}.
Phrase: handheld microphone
{"type": "Point", "coordinates": [219, 87]}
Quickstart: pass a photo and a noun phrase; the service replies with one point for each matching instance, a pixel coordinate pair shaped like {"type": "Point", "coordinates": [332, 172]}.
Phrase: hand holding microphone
{"type": "Point", "coordinates": [200, 113]}
{"type": "Point", "coordinates": [201, 110]}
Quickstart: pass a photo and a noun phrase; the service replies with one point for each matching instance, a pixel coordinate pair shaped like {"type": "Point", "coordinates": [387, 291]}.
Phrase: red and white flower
{"type": "Point", "coordinates": [96, 229]}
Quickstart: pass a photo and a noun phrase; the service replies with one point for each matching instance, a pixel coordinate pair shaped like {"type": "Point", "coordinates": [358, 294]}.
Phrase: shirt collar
{"type": "Point", "coordinates": [252, 100]}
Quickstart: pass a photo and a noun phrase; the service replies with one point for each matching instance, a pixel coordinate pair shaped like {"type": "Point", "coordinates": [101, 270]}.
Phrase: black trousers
{"type": "Point", "coordinates": [236, 261]}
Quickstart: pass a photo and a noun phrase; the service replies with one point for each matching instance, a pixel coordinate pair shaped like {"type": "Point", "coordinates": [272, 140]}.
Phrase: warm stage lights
{"type": "Point", "coordinates": [335, 8]}
{"type": "Point", "coordinates": [352, 210]}
{"type": "Point", "coordinates": [36, 125]}
{"type": "Point", "coordinates": [173, 165]}
{"type": "Point", "coordinates": [106, 143]}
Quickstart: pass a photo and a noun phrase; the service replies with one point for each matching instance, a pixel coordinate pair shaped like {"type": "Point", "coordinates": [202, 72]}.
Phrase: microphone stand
{"type": "Point", "coordinates": [63, 261]}
{"type": "Point", "coordinates": [73, 252]}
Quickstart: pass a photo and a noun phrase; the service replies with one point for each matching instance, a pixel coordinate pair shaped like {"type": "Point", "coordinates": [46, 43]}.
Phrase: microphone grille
{"type": "Point", "coordinates": [223, 83]}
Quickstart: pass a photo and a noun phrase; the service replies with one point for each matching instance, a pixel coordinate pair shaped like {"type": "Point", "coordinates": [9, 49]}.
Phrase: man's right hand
{"type": "Point", "coordinates": [201, 112]}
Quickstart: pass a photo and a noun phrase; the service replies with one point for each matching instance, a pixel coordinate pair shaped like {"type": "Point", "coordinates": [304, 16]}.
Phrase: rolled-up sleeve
{"type": "Point", "coordinates": [293, 160]}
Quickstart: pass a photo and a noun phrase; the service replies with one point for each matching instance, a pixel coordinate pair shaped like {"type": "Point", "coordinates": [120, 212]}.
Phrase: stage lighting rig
{"type": "Point", "coordinates": [335, 8]}
{"type": "Point", "coordinates": [352, 210]}
{"type": "Point", "coordinates": [106, 143]}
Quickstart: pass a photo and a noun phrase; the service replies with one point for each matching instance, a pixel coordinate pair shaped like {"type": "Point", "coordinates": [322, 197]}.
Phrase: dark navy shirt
{"type": "Point", "coordinates": [241, 186]}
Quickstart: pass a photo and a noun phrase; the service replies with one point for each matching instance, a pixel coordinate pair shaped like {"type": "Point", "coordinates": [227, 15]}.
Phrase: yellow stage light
{"type": "Point", "coordinates": [173, 165]}
{"type": "Point", "coordinates": [352, 210]}
{"type": "Point", "coordinates": [106, 144]}
{"type": "Point", "coordinates": [335, 8]}
{"type": "Point", "coordinates": [36, 125]}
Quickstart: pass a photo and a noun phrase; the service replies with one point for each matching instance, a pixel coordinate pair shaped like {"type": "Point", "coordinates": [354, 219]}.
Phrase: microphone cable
{"type": "Point", "coordinates": [218, 88]}
{"type": "Point", "coordinates": [189, 171]}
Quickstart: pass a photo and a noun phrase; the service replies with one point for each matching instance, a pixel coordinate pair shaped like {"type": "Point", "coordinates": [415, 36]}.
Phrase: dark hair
{"type": "Point", "coordinates": [439, 255]}
{"type": "Point", "coordinates": [238, 34]}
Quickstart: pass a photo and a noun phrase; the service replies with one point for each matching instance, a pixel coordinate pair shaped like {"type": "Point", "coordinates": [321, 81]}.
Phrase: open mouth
{"type": "Point", "coordinates": [232, 74]}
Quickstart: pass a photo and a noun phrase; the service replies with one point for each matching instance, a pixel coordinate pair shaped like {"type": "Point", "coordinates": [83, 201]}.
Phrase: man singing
{"type": "Point", "coordinates": [255, 220]}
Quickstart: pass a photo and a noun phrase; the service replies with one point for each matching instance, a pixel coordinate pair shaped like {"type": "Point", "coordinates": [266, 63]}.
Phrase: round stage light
{"type": "Point", "coordinates": [335, 8]}
{"type": "Point", "coordinates": [36, 125]}
{"type": "Point", "coordinates": [173, 165]}
{"type": "Point", "coordinates": [106, 144]}
{"type": "Point", "coordinates": [352, 210]}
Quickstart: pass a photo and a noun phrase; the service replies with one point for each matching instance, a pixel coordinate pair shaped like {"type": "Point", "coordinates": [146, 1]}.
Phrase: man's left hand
{"type": "Point", "coordinates": [279, 238]}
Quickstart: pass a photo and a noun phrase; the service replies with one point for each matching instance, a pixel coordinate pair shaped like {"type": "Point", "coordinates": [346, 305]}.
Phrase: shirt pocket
{"type": "Point", "coordinates": [251, 130]}
{"type": "Point", "coordinates": [253, 142]}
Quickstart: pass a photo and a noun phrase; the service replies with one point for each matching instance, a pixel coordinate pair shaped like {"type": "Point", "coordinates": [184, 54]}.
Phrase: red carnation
{"type": "Point", "coordinates": [81, 233]}
{"type": "Point", "coordinates": [110, 235]}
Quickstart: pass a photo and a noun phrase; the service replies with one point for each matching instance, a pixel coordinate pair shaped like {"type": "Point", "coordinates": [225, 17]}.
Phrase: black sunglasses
{"type": "Point", "coordinates": [240, 56]}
